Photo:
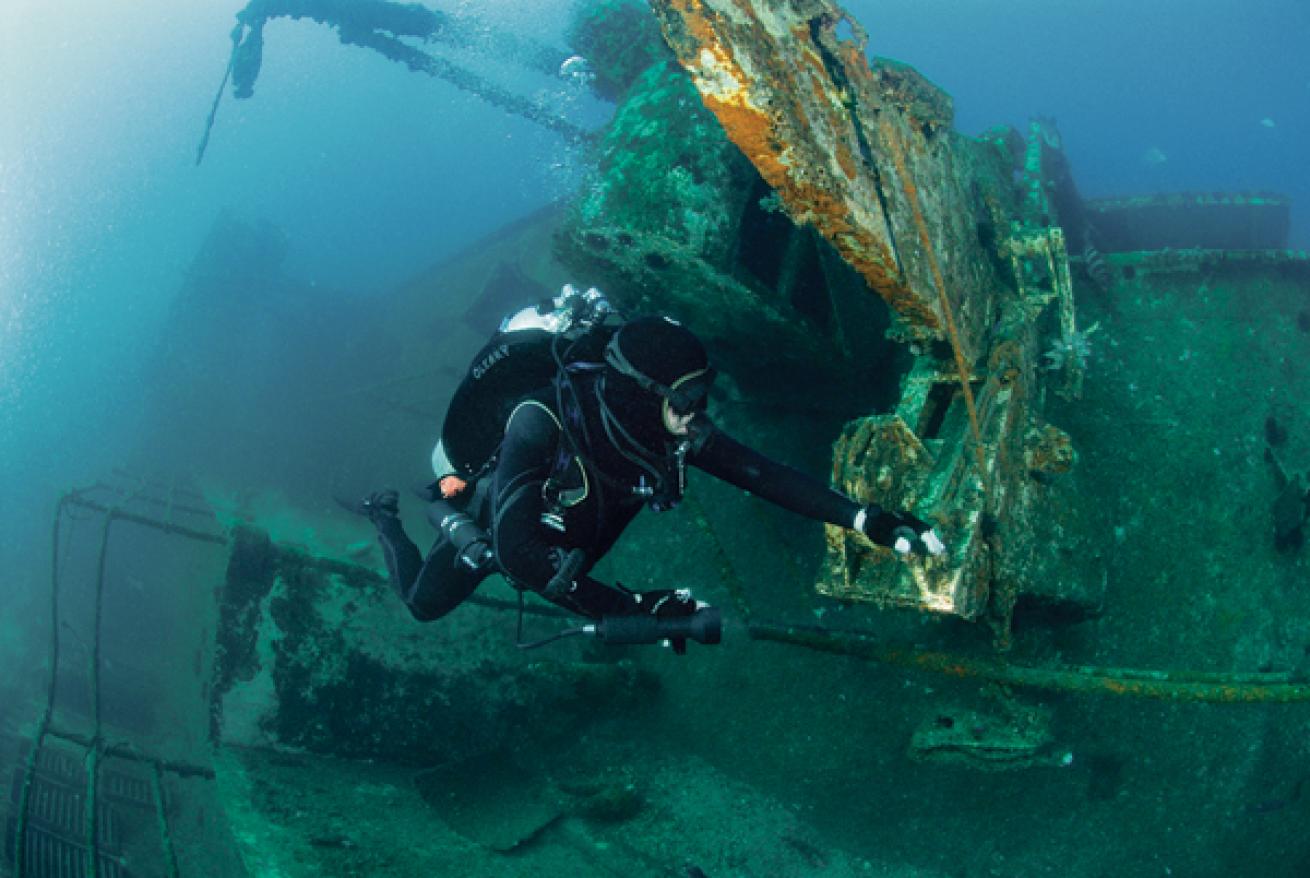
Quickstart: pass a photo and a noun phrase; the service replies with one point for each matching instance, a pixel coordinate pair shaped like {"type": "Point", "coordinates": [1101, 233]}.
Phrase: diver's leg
{"type": "Point", "coordinates": [457, 563]}
{"type": "Point", "coordinates": [430, 587]}
{"type": "Point", "coordinates": [403, 558]}
{"type": "Point", "coordinates": [382, 509]}
{"type": "Point", "coordinates": [443, 583]}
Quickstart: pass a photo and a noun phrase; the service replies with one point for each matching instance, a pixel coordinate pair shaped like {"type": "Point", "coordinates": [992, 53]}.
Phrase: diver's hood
{"type": "Point", "coordinates": [653, 363]}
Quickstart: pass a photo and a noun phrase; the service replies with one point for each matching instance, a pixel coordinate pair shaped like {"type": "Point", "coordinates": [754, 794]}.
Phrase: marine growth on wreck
{"type": "Point", "coordinates": [1098, 403]}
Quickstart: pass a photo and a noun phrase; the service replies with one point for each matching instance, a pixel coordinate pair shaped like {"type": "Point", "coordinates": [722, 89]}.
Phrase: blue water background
{"type": "Point", "coordinates": [374, 172]}
{"type": "Point", "coordinates": [1161, 95]}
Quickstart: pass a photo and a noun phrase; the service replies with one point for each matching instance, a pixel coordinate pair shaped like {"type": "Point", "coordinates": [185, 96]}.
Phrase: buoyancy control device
{"type": "Point", "coordinates": [522, 357]}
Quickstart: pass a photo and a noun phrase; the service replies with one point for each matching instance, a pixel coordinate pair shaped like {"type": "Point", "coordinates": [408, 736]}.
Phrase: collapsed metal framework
{"type": "Point", "coordinates": [74, 790]}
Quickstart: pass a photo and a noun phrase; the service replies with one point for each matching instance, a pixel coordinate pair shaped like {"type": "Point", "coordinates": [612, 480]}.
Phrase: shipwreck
{"type": "Point", "coordinates": [1082, 393]}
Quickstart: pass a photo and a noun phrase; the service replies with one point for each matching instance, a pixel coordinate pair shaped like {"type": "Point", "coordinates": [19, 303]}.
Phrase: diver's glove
{"type": "Point", "coordinates": [900, 531]}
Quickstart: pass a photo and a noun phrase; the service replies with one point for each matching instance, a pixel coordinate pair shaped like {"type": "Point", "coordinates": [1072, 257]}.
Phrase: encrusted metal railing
{"type": "Point", "coordinates": [45, 826]}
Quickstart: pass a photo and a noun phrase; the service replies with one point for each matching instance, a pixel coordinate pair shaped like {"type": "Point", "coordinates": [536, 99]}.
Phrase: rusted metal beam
{"type": "Point", "coordinates": [793, 88]}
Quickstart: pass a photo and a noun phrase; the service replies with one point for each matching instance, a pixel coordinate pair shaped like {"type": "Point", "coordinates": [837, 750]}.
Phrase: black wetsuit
{"type": "Point", "coordinates": [591, 495]}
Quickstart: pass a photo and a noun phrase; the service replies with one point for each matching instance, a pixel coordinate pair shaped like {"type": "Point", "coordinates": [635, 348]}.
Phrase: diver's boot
{"type": "Point", "coordinates": [378, 505]}
{"type": "Point", "coordinates": [402, 557]}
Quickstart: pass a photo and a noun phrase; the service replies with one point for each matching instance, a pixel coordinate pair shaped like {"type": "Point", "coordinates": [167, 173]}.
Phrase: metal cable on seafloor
{"type": "Point", "coordinates": [1176, 686]}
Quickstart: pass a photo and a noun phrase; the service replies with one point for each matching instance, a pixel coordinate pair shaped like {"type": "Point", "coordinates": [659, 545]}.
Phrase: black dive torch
{"type": "Point", "coordinates": [703, 626]}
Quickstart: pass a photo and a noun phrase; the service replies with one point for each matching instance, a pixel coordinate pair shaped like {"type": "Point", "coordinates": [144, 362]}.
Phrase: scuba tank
{"type": "Point", "coordinates": [523, 356]}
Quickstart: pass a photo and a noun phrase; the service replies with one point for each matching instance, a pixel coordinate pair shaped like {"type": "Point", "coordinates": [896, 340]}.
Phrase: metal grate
{"type": "Point", "coordinates": [49, 855]}
{"type": "Point", "coordinates": [58, 764]}
{"type": "Point", "coordinates": [127, 789]}
{"type": "Point", "coordinates": [54, 844]}
{"type": "Point", "coordinates": [61, 809]}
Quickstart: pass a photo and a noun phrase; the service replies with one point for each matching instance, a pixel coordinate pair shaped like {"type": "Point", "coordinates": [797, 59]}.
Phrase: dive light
{"type": "Point", "coordinates": [703, 626]}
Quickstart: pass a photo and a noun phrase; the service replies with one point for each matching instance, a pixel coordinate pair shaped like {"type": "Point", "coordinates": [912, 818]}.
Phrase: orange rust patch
{"type": "Point", "coordinates": [765, 136]}
{"type": "Point", "coordinates": [698, 23]}
{"type": "Point", "coordinates": [847, 161]}
{"type": "Point", "coordinates": [752, 131]}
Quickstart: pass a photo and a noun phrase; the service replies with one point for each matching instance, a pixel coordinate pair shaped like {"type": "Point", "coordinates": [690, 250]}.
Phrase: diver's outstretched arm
{"type": "Point", "coordinates": [725, 458]}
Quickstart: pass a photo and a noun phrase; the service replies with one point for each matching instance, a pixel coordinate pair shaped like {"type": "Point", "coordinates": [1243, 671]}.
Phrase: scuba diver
{"type": "Point", "coordinates": [568, 423]}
